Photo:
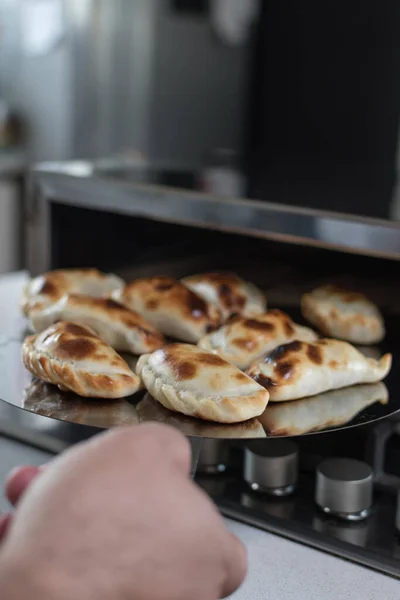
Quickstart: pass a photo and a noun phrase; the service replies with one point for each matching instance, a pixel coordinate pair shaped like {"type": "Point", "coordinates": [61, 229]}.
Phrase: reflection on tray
{"type": "Point", "coordinates": [49, 401]}
{"type": "Point", "coordinates": [325, 411]}
{"type": "Point", "coordinates": [330, 409]}
{"type": "Point", "coordinates": [150, 410]}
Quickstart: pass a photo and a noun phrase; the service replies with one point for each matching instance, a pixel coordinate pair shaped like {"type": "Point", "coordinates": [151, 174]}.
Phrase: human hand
{"type": "Point", "coordinates": [18, 481]}
{"type": "Point", "coordinates": [119, 517]}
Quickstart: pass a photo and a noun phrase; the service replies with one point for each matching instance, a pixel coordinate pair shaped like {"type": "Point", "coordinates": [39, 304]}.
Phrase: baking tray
{"type": "Point", "coordinates": [350, 407]}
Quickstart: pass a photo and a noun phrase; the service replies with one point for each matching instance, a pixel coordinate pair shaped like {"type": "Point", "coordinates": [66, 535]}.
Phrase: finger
{"type": "Point", "coordinates": [172, 445]}
{"type": "Point", "coordinates": [18, 481]}
{"type": "Point", "coordinates": [235, 565]}
{"type": "Point", "coordinates": [155, 439]}
{"type": "Point", "coordinates": [5, 522]}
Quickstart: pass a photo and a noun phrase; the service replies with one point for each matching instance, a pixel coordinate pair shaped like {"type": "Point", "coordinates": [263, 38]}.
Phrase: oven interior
{"type": "Point", "coordinates": [134, 247]}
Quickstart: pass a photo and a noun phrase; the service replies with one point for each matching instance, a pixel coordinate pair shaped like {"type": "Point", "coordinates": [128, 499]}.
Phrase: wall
{"type": "Point", "coordinates": [38, 86]}
{"type": "Point", "coordinates": [198, 89]}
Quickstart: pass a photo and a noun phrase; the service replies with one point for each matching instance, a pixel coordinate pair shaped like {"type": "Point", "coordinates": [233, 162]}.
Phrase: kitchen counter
{"type": "Point", "coordinates": [279, 569]}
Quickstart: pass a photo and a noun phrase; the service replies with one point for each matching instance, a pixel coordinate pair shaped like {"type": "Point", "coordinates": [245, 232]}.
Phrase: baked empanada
{"type": "Point", "coordinates": [301, 369]}
{"type": "Point", "coordinates": [189, 380]}
{"type": "Point", "coordinates": [75, 359]}
{"type": "Point", "coordinates": [44, 290]}
{"type": "Point", "coordinates": [124, 329]}
{"type": "Point", "coordinates": [330, 409]}
{"type": "Point", "coordinates": [245, 340]}
{"type": "Point", "coordinates": [342, 314]}
{"type": "Point", "coordinates": [229, 293]}
{"type": "Point", "coordinates": [171, 307]}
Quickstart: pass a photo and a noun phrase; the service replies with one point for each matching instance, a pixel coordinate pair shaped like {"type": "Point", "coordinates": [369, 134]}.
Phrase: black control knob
{"type": "Point", "coordinates": [344, 488]}
{"type": "Point", "coordinates": [213, 457]}
{"type": "Point", "coordinates": [271, 466]}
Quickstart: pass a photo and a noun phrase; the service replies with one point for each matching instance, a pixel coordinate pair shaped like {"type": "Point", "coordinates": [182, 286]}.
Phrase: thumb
{"type": "Point", "coordinates": [235, 565]}
{"type": "Point", "coordinates": [5, 522]}
{"type": "Point", "coordinates": [18, 481]}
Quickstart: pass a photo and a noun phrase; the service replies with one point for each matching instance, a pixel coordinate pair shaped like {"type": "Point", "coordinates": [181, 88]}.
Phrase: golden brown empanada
{"type": "Point", "coordinates": [330, 409]}
{"type": "Point", "coordinates": [301, 369]}
{"type": "Point", "coordinates": [342, 314]}
{"type": "Point", "coordinates": [171, 307]}
{"type": "Point", "coordinates": [44, 290]}
{"type": "Point", "coordinates": [75, 359]}
{"type": "Point", "coordinates": [229, 293]}
{"type": "Point", "coordinates": [189, 380]}
{"type": "Point", "coordinates": [124, 329]}
{"type": "Point", "coordinates": [243, 341]}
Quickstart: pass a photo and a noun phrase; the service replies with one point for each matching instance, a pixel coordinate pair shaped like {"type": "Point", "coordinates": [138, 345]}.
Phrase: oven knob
{"type": "Point", "coordinates": [213, 457]}
{"type": "Point", "coordinates": [344, 488]}
{"type": "Point", "coordinates": [271, 466]}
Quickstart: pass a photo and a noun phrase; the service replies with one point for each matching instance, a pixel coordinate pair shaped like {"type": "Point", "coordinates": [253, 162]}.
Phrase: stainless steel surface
{"type": "Point", "coordinates": [112, 106]}
{"type": "Point", "coordinates": [120, 81]}
{"type": "Point", "coordinates": [355, 533]}
{"type": "Point", "coordinates": [213, 457]}
{"type": "Point", "coordinates": [371, 542]}
{"type": "Point", "coordinates": [271, 466]}
{"type": "Point", "coordinates": [254, 218]}
{"type": "Point", "coordinates": [344, 488]}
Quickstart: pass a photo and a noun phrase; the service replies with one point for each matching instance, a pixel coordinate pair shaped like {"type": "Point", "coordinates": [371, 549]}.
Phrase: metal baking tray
{"type": "Point", "coordinates": [26, 395]}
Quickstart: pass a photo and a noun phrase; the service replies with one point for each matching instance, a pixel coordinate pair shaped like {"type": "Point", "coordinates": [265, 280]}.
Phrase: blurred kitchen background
{"type": "Point", "coordinates": [280, 100]}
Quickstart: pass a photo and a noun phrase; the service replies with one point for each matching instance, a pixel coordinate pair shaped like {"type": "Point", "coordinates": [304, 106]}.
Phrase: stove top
{"type": "Point", "coordinates": [338, 492]}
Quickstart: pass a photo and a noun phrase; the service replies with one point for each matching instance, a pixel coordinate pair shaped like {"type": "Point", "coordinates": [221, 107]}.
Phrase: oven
{"type": "Point", "coordinates": [126, 219]}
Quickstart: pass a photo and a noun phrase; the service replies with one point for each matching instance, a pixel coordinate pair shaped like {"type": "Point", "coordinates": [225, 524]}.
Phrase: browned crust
{"type": "Point", "coordinates": [55, 367]}
{"type": "Point", "coordinates": [167, 292]}
{"type": "Point", "coordinates": [52, 286]}
{"type": "Point", "coordinates": [128, 317]}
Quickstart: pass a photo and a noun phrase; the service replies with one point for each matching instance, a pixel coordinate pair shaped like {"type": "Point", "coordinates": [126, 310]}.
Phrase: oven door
{"type": "Point", "coordinates": [113, 215]}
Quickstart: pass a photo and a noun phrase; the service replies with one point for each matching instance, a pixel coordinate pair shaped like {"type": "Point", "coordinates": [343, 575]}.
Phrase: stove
{"type": "Point", "coordinates": [338, 492]}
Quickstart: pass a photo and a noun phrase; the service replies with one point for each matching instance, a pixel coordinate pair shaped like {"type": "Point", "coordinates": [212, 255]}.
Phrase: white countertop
{"type": "Point", "coordinates": [283, 570]}
{"type": "Point", "coordinates": [279, 569]}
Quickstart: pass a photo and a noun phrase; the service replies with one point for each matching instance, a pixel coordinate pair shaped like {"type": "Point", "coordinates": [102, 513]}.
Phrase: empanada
{"type": "Point", "coordinates": [124, 329]}
{"type": "Point", "coordinates": [171, 307]}
{"type": "Point", "coordinates": [342, 314]}
{"type": "Point", "coordinates": [330, 409]}
{"type": "Point", "coordinates": [75, 359]}
{"type": "Point", "coordinates": [301, 369]}
{"type": "Point", "coordinates": [189, 380]}
{"type": "Point", "coordinates": [229, 293]}
{"type": "Point", "coordinates": [44, 290]}
{"type": "Point", "coordinates": [245, 340]}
